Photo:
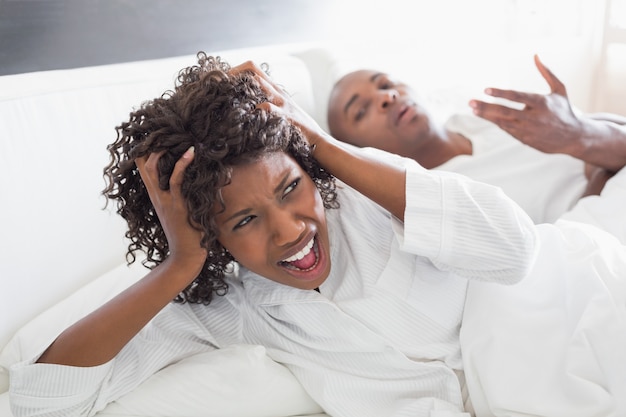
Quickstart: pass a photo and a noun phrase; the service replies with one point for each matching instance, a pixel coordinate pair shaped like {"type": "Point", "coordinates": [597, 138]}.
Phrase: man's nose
{"type": "Point", "coordinates": [387, 97]}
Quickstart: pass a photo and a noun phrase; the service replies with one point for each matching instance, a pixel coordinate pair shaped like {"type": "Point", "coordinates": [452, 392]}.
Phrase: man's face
{"type": "Point", "coordinates": [368, 109]}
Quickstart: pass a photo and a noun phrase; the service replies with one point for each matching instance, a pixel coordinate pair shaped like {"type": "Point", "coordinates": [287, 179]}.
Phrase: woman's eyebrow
{"type": "Point", "coordinates": [238, 214]}
{"type": "Point", "coordinates": [279, 188]}
{"type": "Point", "coordinates": [283, 183]}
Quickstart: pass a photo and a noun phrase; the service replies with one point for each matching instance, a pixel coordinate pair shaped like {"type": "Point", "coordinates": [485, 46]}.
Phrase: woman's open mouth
{"type": "Point", "coordinates": [305, 260]}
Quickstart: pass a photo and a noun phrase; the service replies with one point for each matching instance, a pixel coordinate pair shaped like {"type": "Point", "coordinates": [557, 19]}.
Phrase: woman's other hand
{"type": "Point", "coordinates": [280, 102]}
{"type": "Point", "coordinates": [183, 238]}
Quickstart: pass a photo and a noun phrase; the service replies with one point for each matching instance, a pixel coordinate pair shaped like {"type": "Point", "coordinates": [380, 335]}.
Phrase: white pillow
{"type": "Point", "coordinates": [238, 381]}
{"type": "Point", "coordinates": [37, 334]}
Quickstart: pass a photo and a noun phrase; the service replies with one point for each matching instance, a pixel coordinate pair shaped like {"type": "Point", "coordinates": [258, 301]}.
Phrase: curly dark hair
{"type": "Point", "coordinates": [214, 111]}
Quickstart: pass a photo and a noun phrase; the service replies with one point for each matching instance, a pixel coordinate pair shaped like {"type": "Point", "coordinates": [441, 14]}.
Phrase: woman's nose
{"type": "Point", "coordinates": [386, 97]}
{"type": "Point", "coordinates": [287, 228]}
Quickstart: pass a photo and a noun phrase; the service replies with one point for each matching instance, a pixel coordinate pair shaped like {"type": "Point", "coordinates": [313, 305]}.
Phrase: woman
{"type": "Point", "coordinates": [352, 270]}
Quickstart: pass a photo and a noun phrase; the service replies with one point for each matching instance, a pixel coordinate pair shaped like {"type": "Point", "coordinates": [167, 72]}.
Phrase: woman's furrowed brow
{"type": "Point", "coordinates": [283, 183]}
{"type": "Point", "coordinates": [238, 214]}
{"type": "Point", "coordinates": [277, 190]}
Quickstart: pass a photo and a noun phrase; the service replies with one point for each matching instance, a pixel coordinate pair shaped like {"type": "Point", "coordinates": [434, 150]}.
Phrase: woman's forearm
{"type": "Point", "coordinates": [99, 336]}
{"type": "Point", "coordinates": [378, 180]}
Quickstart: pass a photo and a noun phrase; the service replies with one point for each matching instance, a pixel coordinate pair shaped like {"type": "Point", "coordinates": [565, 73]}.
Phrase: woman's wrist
{"type": "Point", "coordinates": [182, 269]}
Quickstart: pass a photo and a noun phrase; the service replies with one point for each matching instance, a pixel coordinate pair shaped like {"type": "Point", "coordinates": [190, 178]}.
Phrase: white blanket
{"type": "Point", "coordinates": [555, 344]}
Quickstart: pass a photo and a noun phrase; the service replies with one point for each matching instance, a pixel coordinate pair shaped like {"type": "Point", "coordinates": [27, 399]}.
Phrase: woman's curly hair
{"type": "Point", "coordinates": [214, 111]}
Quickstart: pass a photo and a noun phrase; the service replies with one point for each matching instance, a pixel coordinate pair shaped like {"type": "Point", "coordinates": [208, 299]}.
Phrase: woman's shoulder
{"type": "Point", "coordinates": [355, 209]}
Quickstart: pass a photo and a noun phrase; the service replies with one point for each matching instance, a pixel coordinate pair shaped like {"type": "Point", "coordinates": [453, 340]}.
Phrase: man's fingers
{"type": "Point", "coordinates": [495, 112]}
{"type": "Point", "coordinates": [556, 86]}
{"type": "Point", "coordinates": [529, 99]}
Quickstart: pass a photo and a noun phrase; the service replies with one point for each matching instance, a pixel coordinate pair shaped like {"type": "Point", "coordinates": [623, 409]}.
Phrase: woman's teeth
{"type": "Point", "coordinates": [305, 251]}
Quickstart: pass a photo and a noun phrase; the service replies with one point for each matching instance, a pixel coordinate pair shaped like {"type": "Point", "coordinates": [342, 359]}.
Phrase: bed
{"type": "Point", "coordinates": [63, 253]}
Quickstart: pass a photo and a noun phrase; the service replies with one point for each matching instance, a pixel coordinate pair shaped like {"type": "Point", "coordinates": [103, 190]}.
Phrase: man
{"type": "Point", "coordinates": [544, 155]}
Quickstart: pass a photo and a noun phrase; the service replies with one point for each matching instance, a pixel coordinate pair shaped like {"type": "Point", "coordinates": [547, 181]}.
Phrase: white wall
{"type": "Point", "coordinates": [480, 43]}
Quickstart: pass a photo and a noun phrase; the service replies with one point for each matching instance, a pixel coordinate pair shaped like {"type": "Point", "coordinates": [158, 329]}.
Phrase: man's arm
{"type": "Point", "coordinates": [608, 117]}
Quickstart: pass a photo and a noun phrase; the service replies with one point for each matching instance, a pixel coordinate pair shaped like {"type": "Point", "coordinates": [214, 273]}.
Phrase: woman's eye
{"type": "Point", "coordinates": [243, 222]}
{"type": "Point", "coordinates": [291, 187]}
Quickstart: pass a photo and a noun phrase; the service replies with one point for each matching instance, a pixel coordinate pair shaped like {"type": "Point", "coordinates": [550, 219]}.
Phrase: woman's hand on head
{"type": "Point", "coordinates": [280, 102]}
{"type": "Point", "coordinates": [170, 206]}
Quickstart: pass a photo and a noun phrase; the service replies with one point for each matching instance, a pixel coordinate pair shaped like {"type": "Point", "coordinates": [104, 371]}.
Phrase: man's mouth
{"type": "Point", "coordinates": [408, 110]}
{"type": "Point", "coordinates": [402, 113]}
{"type": "Point", "coordinates": [305, 260]}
